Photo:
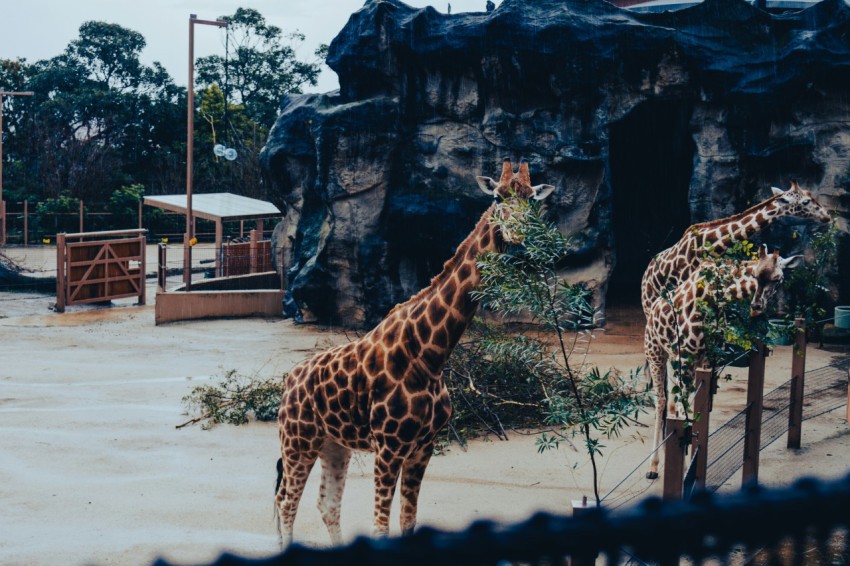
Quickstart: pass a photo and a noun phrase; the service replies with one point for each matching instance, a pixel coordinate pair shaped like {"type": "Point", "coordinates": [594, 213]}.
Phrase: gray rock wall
{"type": "Point", "coordinates": [645, 123]}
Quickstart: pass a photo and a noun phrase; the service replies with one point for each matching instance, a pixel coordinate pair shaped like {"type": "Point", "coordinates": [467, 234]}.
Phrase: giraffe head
{"type": "Point", "coordinates": [513, 191]}
{"type": "Point", "coordinates": [799, 202]}
{"type": "Point", "coordinates": [768, 270]}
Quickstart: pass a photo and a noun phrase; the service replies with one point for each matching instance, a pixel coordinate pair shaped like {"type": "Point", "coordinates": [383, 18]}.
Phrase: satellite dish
{"type": "Point", "coordinates": [219, 150]}
{"type": "Point", "coordinates": [230, 154]}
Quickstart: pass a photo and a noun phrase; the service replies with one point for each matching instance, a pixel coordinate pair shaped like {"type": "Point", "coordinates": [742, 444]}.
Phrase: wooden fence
{"type": "Point", "coordinates": [680, 481]}
{"type": "Point", "coordinates": [94, 267]}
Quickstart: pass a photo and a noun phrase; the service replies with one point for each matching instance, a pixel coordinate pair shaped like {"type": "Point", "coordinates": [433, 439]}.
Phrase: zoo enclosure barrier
{"type": "Point", "coordinates": [239, 256]}
{"type": "Point", "coordinates": [717, 456]}
{"type": "Point", "coordinates": [99, 267]}
{"type": "Point", "coordinates": [26, 226]}
{"type": "Point", "coordinates": [805, 523]}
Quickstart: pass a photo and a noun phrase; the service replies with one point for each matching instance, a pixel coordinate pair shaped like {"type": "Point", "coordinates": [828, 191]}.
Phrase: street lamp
{"type": "Point", "coordinates": [189, 237]}
{"type": "Point", "coordinates": [3, 202]}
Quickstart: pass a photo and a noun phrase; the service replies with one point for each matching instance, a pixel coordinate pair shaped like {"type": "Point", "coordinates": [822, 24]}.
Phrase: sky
{"type": "Point", "coordinates": [41, 29]}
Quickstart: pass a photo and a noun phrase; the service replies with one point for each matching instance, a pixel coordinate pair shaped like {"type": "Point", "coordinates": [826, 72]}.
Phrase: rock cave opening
{"type": "Point", "coordinates": [651, 161]}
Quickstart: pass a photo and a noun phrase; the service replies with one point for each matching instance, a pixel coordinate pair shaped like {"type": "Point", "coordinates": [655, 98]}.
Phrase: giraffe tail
{"type": "Point", "coordinates": [279, 491]}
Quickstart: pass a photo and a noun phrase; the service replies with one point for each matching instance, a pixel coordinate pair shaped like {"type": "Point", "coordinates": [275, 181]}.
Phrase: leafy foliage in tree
{"type": "Point", "coordinates": [807, 287]}
{"type": "Point", "coordinates": [261, 67]}
{"type": "Point", "coordinates": [101, 120]}
{"type": "Point", "coordinates": [577, 398]}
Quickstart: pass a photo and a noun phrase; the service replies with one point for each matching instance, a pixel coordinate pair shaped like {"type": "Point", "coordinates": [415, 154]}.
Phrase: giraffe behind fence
{"type": "Point", "coordinates": [674, 328]}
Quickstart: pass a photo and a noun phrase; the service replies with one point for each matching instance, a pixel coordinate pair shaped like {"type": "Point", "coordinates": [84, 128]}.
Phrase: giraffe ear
{"type": "Point", "coordinates": [776, 191]}
{"type": "Point", "coordinates": [542, 191]}
{"type": "Point", "coordinates": [763, 250]}
{"type": "Point", "coordinates": [487, 185]}
{"type": "Point", "coordinates": [792, 261]}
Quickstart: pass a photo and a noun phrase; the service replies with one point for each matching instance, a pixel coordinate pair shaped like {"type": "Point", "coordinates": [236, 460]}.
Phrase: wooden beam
{"type": "Point", "coordinates": [699, 441]}
{"type": "Point", "coordinates": [674, 459]}
{"type": "Point", "coordinates": [755, 395]}
{"type": "Point", "coordinates": [60, 273]}
{"type": "Point", "coordinates": [798, 378]}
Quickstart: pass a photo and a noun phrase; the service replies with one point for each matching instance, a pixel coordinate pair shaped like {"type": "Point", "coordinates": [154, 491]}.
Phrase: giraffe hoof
{"type": "Point", "coordinates": [652, 475]}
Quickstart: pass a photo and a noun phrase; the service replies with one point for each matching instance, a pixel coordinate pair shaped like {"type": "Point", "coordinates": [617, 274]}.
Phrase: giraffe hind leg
{"type": "Point", "coordinates": [658, 371]}
{"type": "Point", "coordinates": [334, 459]}
{"type": "Point", "coordinates": [412, 473]}
{"type": "Point", "coordinates": [280, 492]}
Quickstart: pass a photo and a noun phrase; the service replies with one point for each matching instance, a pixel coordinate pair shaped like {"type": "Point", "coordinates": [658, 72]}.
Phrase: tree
{"type": "Point", "coordinates": [99, 120]}
{"type": "Point", "coordinates": [261, 65]}
{"type": "Point", "coordinates": [578, 399]}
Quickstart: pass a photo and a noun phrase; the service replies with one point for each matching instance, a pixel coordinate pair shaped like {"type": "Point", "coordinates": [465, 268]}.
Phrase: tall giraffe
{"type": "Point", "coordinates": [675, 322]}
{"type": "Point", "coordinates": [675, 264]}
{"type": "Point", "coordinates": [384, 392]}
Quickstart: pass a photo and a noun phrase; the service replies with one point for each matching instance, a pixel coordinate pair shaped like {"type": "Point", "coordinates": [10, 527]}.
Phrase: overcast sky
{"type": "Point", "coordinates": [40, 29]}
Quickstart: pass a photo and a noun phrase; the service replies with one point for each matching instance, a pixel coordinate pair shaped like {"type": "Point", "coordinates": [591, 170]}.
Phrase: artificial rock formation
{"type": "Point", "coordinates": [645, 123]}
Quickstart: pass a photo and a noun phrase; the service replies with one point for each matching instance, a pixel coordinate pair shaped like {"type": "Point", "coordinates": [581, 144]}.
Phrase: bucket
{"type": "Point", "coordinates": [780, 331]}
{"type": "Point", "coordinates": [842, 317]}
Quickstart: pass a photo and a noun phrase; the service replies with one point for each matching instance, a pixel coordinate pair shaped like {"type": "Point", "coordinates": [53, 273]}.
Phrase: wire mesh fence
{"type": "Point", "coordinates": [825, 391]}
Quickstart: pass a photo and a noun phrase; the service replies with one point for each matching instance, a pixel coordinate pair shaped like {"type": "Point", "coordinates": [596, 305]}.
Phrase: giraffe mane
{"type": "Point", "coordinates": [733, 218]}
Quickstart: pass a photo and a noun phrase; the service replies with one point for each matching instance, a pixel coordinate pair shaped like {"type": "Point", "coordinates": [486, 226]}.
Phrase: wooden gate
{"type": "Point", "coordinates": [93, 269]}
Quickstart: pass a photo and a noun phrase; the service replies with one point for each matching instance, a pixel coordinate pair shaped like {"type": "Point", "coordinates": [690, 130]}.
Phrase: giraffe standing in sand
{"type": "Point", "coordinates": [384, 392]}
{"type": "Point", "coordinates": [675, 264]}
{"type": "Point", "coordinates": [674, 327]}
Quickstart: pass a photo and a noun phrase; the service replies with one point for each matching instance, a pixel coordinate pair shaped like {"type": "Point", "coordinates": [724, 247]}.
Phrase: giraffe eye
{"type": "Point", "coordinates": [807, 200]}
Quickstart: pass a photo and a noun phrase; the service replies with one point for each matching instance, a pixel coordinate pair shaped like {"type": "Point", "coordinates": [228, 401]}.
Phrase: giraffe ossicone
{"type": "Point", "coordinates": [384, 392]}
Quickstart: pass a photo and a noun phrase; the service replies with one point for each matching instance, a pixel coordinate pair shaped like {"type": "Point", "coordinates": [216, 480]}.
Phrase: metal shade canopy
{"type": "Point", "coordinates": [217, 206]}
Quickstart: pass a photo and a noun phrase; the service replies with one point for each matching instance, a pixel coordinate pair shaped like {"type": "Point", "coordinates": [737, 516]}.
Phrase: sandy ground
{"type": "Point", "coordinates": [93, 470]}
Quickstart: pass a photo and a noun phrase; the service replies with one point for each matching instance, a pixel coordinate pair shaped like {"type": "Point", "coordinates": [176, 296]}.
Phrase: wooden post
{"type": "Point", "coordinates": [187, 261]}
{"type": "Point", "coordinates": [241, 228]}
{"type": "Point", "coordinates": [755, 394]}
{"type": "Point", "coordinates": [26, 222]}
{"type": "Point", "coordinates": [582, 507]}
{"type": "Point", "coordinates": [142, 268]}
{"type": "Point", "coordinates": [140, 214]}
{"type": "Point", "coordinates": [219, 246]}
{"type": "Point", "coordinates": [60, 273]}
{"type": "Point", "coordinates": [2, 218]}
{"type": "Point", "coordinates": [81, 218]}
{"type": "Point", "coordinates": [254, 246]}
{"type": "Point", "coordinates": [674, 459]}
{"type": "Point", "coordinates": [798, 378]}
{"type": "Point", "coordinates": [260, 228]}
{"type": "Point", "coordinates": [162, 265]}
{"type": "Point", "coordinates": [702, 401]}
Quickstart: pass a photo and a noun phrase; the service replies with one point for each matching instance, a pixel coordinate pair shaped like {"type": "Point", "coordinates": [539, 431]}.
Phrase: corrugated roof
{"type": "Point", "coordinates": [215, 206]}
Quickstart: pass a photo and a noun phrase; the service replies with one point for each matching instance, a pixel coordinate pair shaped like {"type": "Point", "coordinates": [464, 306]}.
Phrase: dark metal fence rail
{"type": "Point", "coordinates": [806, 524]}
{"type": "Point", "coordinates": [826, 390]}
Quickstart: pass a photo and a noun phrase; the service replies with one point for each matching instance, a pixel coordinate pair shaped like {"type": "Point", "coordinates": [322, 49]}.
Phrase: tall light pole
{"type": "Point", "coordinates": [188, 238]}
{"type": "Point", "coordinates": [3, 202]}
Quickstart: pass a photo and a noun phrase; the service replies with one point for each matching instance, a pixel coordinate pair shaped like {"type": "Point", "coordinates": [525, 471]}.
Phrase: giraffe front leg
{"type": "Point", "coordinates": [658, 372]}
{"type": "Point", "coordinates": [334, 459]}
{"type": "Point", "coordinates": [388, 465]}
{"type": "Point", "coordinates": [411, 480]}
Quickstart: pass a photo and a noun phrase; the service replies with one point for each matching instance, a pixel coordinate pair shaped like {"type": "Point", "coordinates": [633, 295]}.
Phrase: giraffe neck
{"type": "Point", "coordinates": [431, 322]}
{"type": "Point", "coordinates": [721, 234]}
{"type": "Point", "coordinates": [741, 283]}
